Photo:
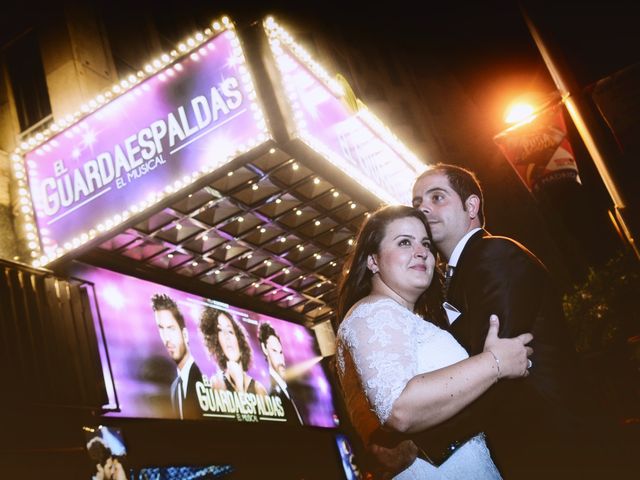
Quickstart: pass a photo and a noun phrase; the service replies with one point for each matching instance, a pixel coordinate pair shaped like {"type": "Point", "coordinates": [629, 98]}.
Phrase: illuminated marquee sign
{"type": "Point", "coordinates": [168, 130]}
{"type": "Point", "coordinates": [355, 142]}
{"type": "Point", "coordinates": [232, 375]}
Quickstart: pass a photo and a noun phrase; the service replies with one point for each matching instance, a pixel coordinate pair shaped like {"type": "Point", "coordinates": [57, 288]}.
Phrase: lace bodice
{"type": "Point", "coordinates": [380, 346]}
{"type": "Point", "coordinates": [389, 345]}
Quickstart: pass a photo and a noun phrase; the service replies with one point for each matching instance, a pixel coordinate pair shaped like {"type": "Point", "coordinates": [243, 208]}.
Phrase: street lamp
{"type": "Point", "coordinates": [536, 143]}
{"type": "Point", "coordinates": [520, 112]}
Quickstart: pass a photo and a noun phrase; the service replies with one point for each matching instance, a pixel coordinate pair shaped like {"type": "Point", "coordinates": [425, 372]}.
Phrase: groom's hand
{"type": "Point", "coordinates": [388, 461]}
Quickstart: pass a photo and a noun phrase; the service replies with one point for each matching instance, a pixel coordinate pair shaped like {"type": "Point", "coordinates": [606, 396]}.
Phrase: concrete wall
{"type": "Point", "coordinates": [77, 63]}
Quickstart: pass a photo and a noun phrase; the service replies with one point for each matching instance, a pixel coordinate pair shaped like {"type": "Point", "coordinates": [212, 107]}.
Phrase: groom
{"type": "Point", "coordinates": [533, 426]}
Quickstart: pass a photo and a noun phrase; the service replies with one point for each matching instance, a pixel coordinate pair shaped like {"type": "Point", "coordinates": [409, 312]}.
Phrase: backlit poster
{"type": "Point", "coordinates": [178, 355]}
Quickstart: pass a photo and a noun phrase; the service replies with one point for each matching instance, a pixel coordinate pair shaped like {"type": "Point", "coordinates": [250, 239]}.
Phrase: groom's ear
{"type": "Point", "coordinates": [372, 264]}
{"type": "Point", "coordinates": [473, 206]}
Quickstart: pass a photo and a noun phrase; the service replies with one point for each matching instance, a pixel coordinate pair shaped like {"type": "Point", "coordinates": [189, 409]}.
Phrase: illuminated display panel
{"type": "Point", "coordinates": [184, 472]}
{"type": "Point", "coordinates": [107, 452]}
{"type": "Point", "coordinates": [353, 139]}
{"type": "Point", "coordinates": [144, 366]}
{"type": "Point", "coordinates": [187, 120]}
{"type": "Point", "coordinates": [347, 458]}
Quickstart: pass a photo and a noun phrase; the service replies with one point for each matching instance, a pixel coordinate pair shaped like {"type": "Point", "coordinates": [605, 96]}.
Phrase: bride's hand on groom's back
{"type": "Point", "coordinates": [511, 354]}
{"type": "Point", "coordinates": [389, 455]}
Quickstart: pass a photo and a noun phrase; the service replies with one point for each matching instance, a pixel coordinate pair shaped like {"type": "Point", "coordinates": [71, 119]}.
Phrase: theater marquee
{"type": "Point", "coordinates": [344, 132]}
{"type": "Point", "coordinates": [194, 115]}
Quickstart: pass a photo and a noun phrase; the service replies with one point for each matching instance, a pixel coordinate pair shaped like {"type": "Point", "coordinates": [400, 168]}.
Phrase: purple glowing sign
{"type": "Point", "coordinates": [144, 357]}
{"type": "Point", "coordinates": [354, 142]}
{"type": "Point", "coordinates": [160, 136]}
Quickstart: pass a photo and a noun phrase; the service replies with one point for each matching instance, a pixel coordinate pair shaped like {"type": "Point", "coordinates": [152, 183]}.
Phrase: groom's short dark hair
{"type": "Point", "coordinates": [464, 182]}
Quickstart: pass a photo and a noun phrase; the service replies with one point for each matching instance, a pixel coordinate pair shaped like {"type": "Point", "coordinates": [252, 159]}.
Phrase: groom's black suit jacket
{"type": "Point", "coordinates": [534, 425]}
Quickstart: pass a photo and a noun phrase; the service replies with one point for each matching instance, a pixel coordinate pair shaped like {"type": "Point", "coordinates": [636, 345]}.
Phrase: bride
{"type": "Point", "coordinates": [399, 372]}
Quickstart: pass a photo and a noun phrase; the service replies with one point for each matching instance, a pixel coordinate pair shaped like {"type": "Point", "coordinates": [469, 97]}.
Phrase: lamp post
{"type": "Point", "coordinates": [624, 221]}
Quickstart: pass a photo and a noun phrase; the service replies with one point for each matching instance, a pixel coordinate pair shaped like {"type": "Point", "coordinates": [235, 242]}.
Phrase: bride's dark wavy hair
{"type": "Point", "coordinates": [355, 282]}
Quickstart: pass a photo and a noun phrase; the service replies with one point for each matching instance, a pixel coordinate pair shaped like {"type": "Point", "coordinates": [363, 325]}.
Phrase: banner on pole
{"type": "Point", "coordinates": [539, 150]}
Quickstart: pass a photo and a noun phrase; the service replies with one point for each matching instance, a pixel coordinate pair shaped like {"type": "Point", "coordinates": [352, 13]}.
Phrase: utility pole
{"type": "Point", "coordinates": [624, 221]}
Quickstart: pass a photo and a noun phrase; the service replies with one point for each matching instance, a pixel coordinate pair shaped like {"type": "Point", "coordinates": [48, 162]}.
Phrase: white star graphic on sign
{"type": "Point", "coordinates": [89, 138]}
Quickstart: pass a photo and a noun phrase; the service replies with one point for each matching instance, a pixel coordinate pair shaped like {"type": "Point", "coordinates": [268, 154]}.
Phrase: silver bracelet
{"type": "Point", "coordinates": [497, 363]}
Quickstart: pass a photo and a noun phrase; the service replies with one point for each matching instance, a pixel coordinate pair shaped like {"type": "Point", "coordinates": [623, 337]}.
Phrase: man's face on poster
{"type": "Point", "coordinates": [273, 351]}
{"type": "Point", "coordinates": [172, 335]}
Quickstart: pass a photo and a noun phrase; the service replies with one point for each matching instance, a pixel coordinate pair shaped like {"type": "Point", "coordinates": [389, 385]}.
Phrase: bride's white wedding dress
{"type": "Point", "coordinates": [381, 346]}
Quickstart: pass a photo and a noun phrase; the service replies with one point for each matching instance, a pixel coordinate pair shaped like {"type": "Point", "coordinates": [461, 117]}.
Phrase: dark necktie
{"type": "Point", "coordinates": [447, 278]}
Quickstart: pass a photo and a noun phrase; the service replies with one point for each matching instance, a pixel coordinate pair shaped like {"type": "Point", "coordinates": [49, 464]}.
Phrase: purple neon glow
{"type": "Point", "coordinates": [136, 351]}
{"type": "Point", "coordinates": [208, 94]}
{"type": "Point", "coordinates": [344, 136]}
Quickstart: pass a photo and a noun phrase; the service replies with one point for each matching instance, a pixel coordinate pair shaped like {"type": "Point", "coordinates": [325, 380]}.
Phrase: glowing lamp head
{"type": "Point", "coordinates": [519, 112]}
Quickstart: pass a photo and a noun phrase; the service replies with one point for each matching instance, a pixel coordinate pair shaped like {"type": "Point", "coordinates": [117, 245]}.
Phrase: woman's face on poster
{"type": "Point", "coordinates": [227, 338]}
